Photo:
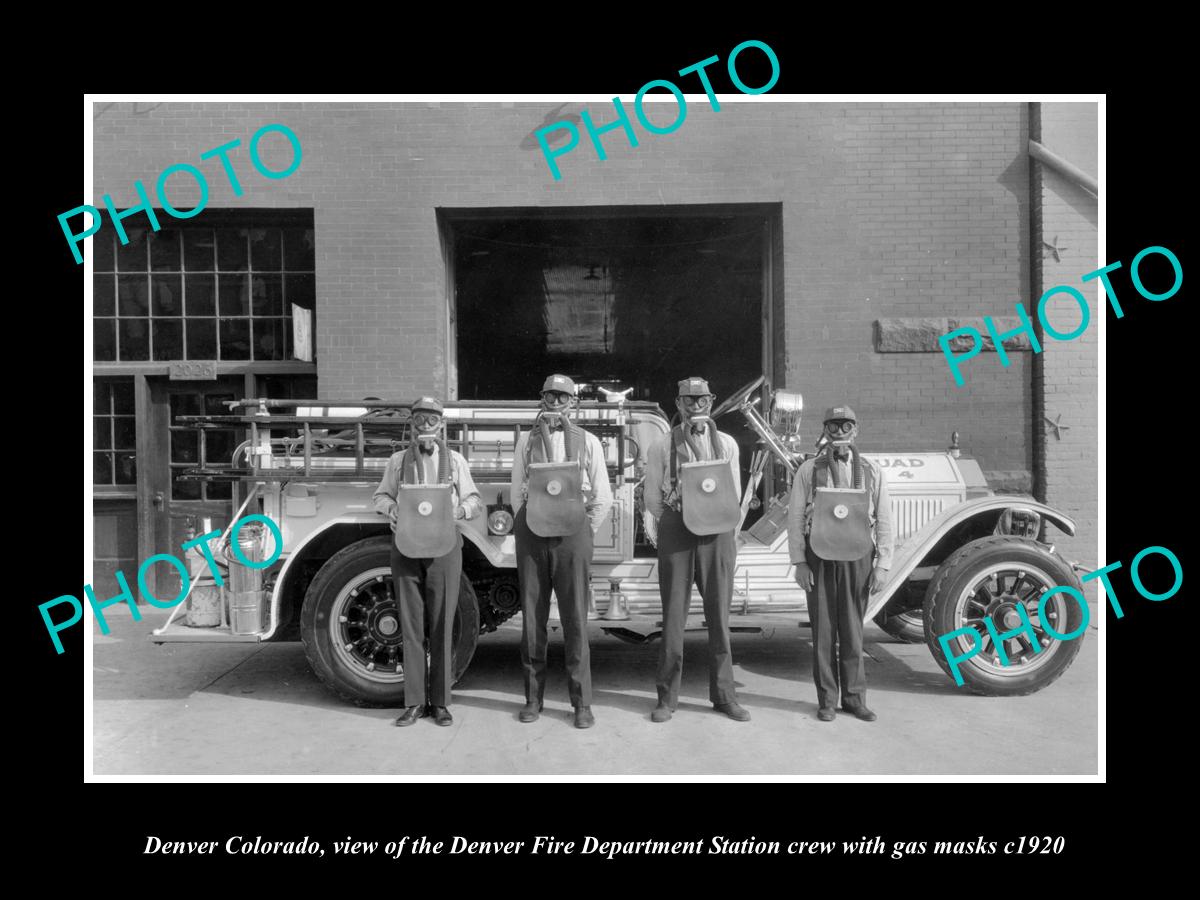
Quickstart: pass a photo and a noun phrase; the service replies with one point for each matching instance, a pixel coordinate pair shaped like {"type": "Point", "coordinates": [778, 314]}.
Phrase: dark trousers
{"type": "Point", "coordinates": [427, 594]}
{"type": "Point", "coordinates": [708, 560]}
{"type": "Point", "coordinates": [564, 565]}
{"type": "Point", "coordinates": [836, 606]}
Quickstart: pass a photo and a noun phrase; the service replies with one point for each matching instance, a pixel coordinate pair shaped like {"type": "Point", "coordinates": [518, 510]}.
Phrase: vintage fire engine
{"type": "Point", "coordinates": [964, 554]}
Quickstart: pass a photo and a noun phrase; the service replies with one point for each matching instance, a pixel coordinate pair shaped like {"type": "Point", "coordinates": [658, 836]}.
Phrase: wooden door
{"type": "Point", "coordinates": [170, 503]}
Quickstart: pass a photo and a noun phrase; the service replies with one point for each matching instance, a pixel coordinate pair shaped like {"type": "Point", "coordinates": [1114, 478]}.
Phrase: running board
{"type": "Point", "coordinates": [178, 633]}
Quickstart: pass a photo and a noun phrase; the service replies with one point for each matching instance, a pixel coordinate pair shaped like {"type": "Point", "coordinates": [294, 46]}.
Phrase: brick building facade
{"type": "Point", "coordinates": [1065, 220]}
{"type": "Point", "coordinates": [879, 220]}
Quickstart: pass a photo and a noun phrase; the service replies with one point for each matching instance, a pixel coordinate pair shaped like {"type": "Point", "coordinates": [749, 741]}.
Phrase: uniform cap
{"type": "Point", "coordinates": [559, 383]}
{"type": "Point", "coordinates": [694, 387]}
{"type": "Point", "coordinates": [428, 404]}
{"type": "Point", "coordinates": [840, 412]}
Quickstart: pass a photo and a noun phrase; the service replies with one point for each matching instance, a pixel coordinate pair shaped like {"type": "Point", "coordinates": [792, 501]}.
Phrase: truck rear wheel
{"type": "Point", "coordinates": [350, 626]}
{"type": "Point", "coordinates": [987, 579]}
{"type": "Point", "coordinates": [907, 625]}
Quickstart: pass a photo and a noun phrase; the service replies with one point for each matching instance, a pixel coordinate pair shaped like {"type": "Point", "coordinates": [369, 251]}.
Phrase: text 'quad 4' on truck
{"type": "Point", "coordinates": [964, 554]}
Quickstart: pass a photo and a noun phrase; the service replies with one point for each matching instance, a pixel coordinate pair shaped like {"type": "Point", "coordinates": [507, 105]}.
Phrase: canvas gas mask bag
{"type": "Point", "coordinates": [841, 522]}
{"type": "Point", "coordinates": [708, 493]}
{"type": "Point", "coordinates": [425, 526]}
{"type": "Point", "coordinates": [554, 505]}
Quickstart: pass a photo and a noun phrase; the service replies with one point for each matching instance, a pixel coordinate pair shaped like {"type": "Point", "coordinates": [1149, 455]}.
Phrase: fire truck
{"type": "Point", "coordinates": [965, 554]}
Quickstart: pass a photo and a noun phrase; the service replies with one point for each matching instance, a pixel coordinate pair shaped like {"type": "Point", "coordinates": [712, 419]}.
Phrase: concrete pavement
{"type": "Point", "coordinates": [257, 709]}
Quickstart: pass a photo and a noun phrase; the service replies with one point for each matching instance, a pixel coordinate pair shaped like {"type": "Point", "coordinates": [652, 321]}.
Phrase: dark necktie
{"type": "Point", "coordinates": [427, 449]}
{"type": "Point", "coordinates": [840, 455]}
{"type": "Point", "coordinates": [697, 447]}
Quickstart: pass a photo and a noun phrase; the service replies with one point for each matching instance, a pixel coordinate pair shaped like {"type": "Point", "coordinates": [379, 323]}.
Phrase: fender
{"type": "Point", "coordinates": [496, 555]}
{"type": "Point", "coordinates": [917, 547]}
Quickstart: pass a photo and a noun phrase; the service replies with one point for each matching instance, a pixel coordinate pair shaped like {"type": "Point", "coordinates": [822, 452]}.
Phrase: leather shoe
{"type": "Point", "coordinates": [530, 712]}
{"type": "Point", "coordinates": [441, 716]}
{"type": "Point", "coordinates": [733, 710]}
{"type": "Point", "coordinates": [826, 713]}
{"type": "Point", "coordinates": [410, 715]}
{"type": "Point", "coordinates": [584, 717]}
{"type": "Point", "coordinates": [861, 712]}
{"type": "Point", "coordinates": [662, 713]}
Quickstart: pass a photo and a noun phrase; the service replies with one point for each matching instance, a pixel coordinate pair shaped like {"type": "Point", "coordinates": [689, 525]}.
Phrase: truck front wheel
{"type": "Point", "coordinates": [988, 579]}
{"type": "Point", "coordinates": [350, 626]}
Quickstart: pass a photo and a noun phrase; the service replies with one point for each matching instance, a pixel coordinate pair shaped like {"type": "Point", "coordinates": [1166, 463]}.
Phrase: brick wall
{"type": "Point", "coordinates": [902, 210]}
{"type": "Point", "coordinates": [1066, 216]}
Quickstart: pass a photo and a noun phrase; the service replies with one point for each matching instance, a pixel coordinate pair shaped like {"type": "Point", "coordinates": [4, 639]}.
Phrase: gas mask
{"type": "Point", "coordinates": [841, 434]}
{"type": "Point", "coordinates": [427, 427]}
{"type": "Point", "coordinates": [694, 411]}
{"type": "Point", "coordinates": [556, 402]}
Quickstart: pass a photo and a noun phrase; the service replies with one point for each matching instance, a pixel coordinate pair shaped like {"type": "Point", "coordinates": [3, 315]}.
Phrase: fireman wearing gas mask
{"type": "Point", "coordinates": [560, 495]}
{"type": "Point", "coordinates": [840, 541]}
{"type": "Point", "coordinates": [424, 489]}
{"type": "Point", "coordinates": [693, 488]}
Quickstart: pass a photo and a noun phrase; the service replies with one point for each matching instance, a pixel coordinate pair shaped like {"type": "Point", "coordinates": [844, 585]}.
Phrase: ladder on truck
{"type": "Point", "coordinates": [350, 441]}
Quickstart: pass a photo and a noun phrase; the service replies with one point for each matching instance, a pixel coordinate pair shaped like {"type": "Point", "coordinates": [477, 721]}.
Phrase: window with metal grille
{"type": "Point", "coordinates": [221, 292]}
{"type": "Point", "coordinates": [114, 432]}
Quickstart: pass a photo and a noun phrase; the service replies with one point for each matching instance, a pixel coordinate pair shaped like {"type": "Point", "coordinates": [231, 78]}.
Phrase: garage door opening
{"type": "Point", "coordinates": [615, 297]}
{"type": "Point", "coordinates": [618, 297]}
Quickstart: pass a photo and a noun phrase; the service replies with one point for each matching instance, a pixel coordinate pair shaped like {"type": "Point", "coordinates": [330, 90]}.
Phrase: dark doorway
{"type": "Point", "coordinates": [620, 297]}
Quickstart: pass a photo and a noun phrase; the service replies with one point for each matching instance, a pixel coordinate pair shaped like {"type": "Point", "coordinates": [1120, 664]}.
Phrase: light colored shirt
{"type": "Point", "coordinates": [800, 507]}
{"type": "Point", "coordinates": [658, 487]}
{"type": "Point", "coordinates": [462, 485]}
{"type": "Point", "coordinates": [597, 493]}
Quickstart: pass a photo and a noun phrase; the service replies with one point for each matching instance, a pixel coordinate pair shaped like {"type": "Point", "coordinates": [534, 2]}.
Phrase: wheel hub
{"type": "Point", "coordinates": [383, 622]}
{"type": "Point", "coordinates": [1003, 613]}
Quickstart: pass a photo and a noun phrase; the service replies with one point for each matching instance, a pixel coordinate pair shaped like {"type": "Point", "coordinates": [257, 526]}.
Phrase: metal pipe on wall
{"type": "Point", "coordinates": [1060, 165]}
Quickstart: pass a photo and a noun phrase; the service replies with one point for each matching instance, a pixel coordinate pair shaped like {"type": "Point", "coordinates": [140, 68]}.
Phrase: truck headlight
{"type": "Point", "coordinates": [786, 409]}
{"type": "Point", "coordinates": [500, 522]}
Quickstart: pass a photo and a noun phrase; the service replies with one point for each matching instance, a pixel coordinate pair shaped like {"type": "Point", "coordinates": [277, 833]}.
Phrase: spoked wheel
{"type": "Point", "coordinates": [989, 579]}
{"type": "Point", "coordinates": [366, 625]}
{"type": "Point", "coordinates": [350, 626]}
{"type": "Point", "coordinates": [996, 594]}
